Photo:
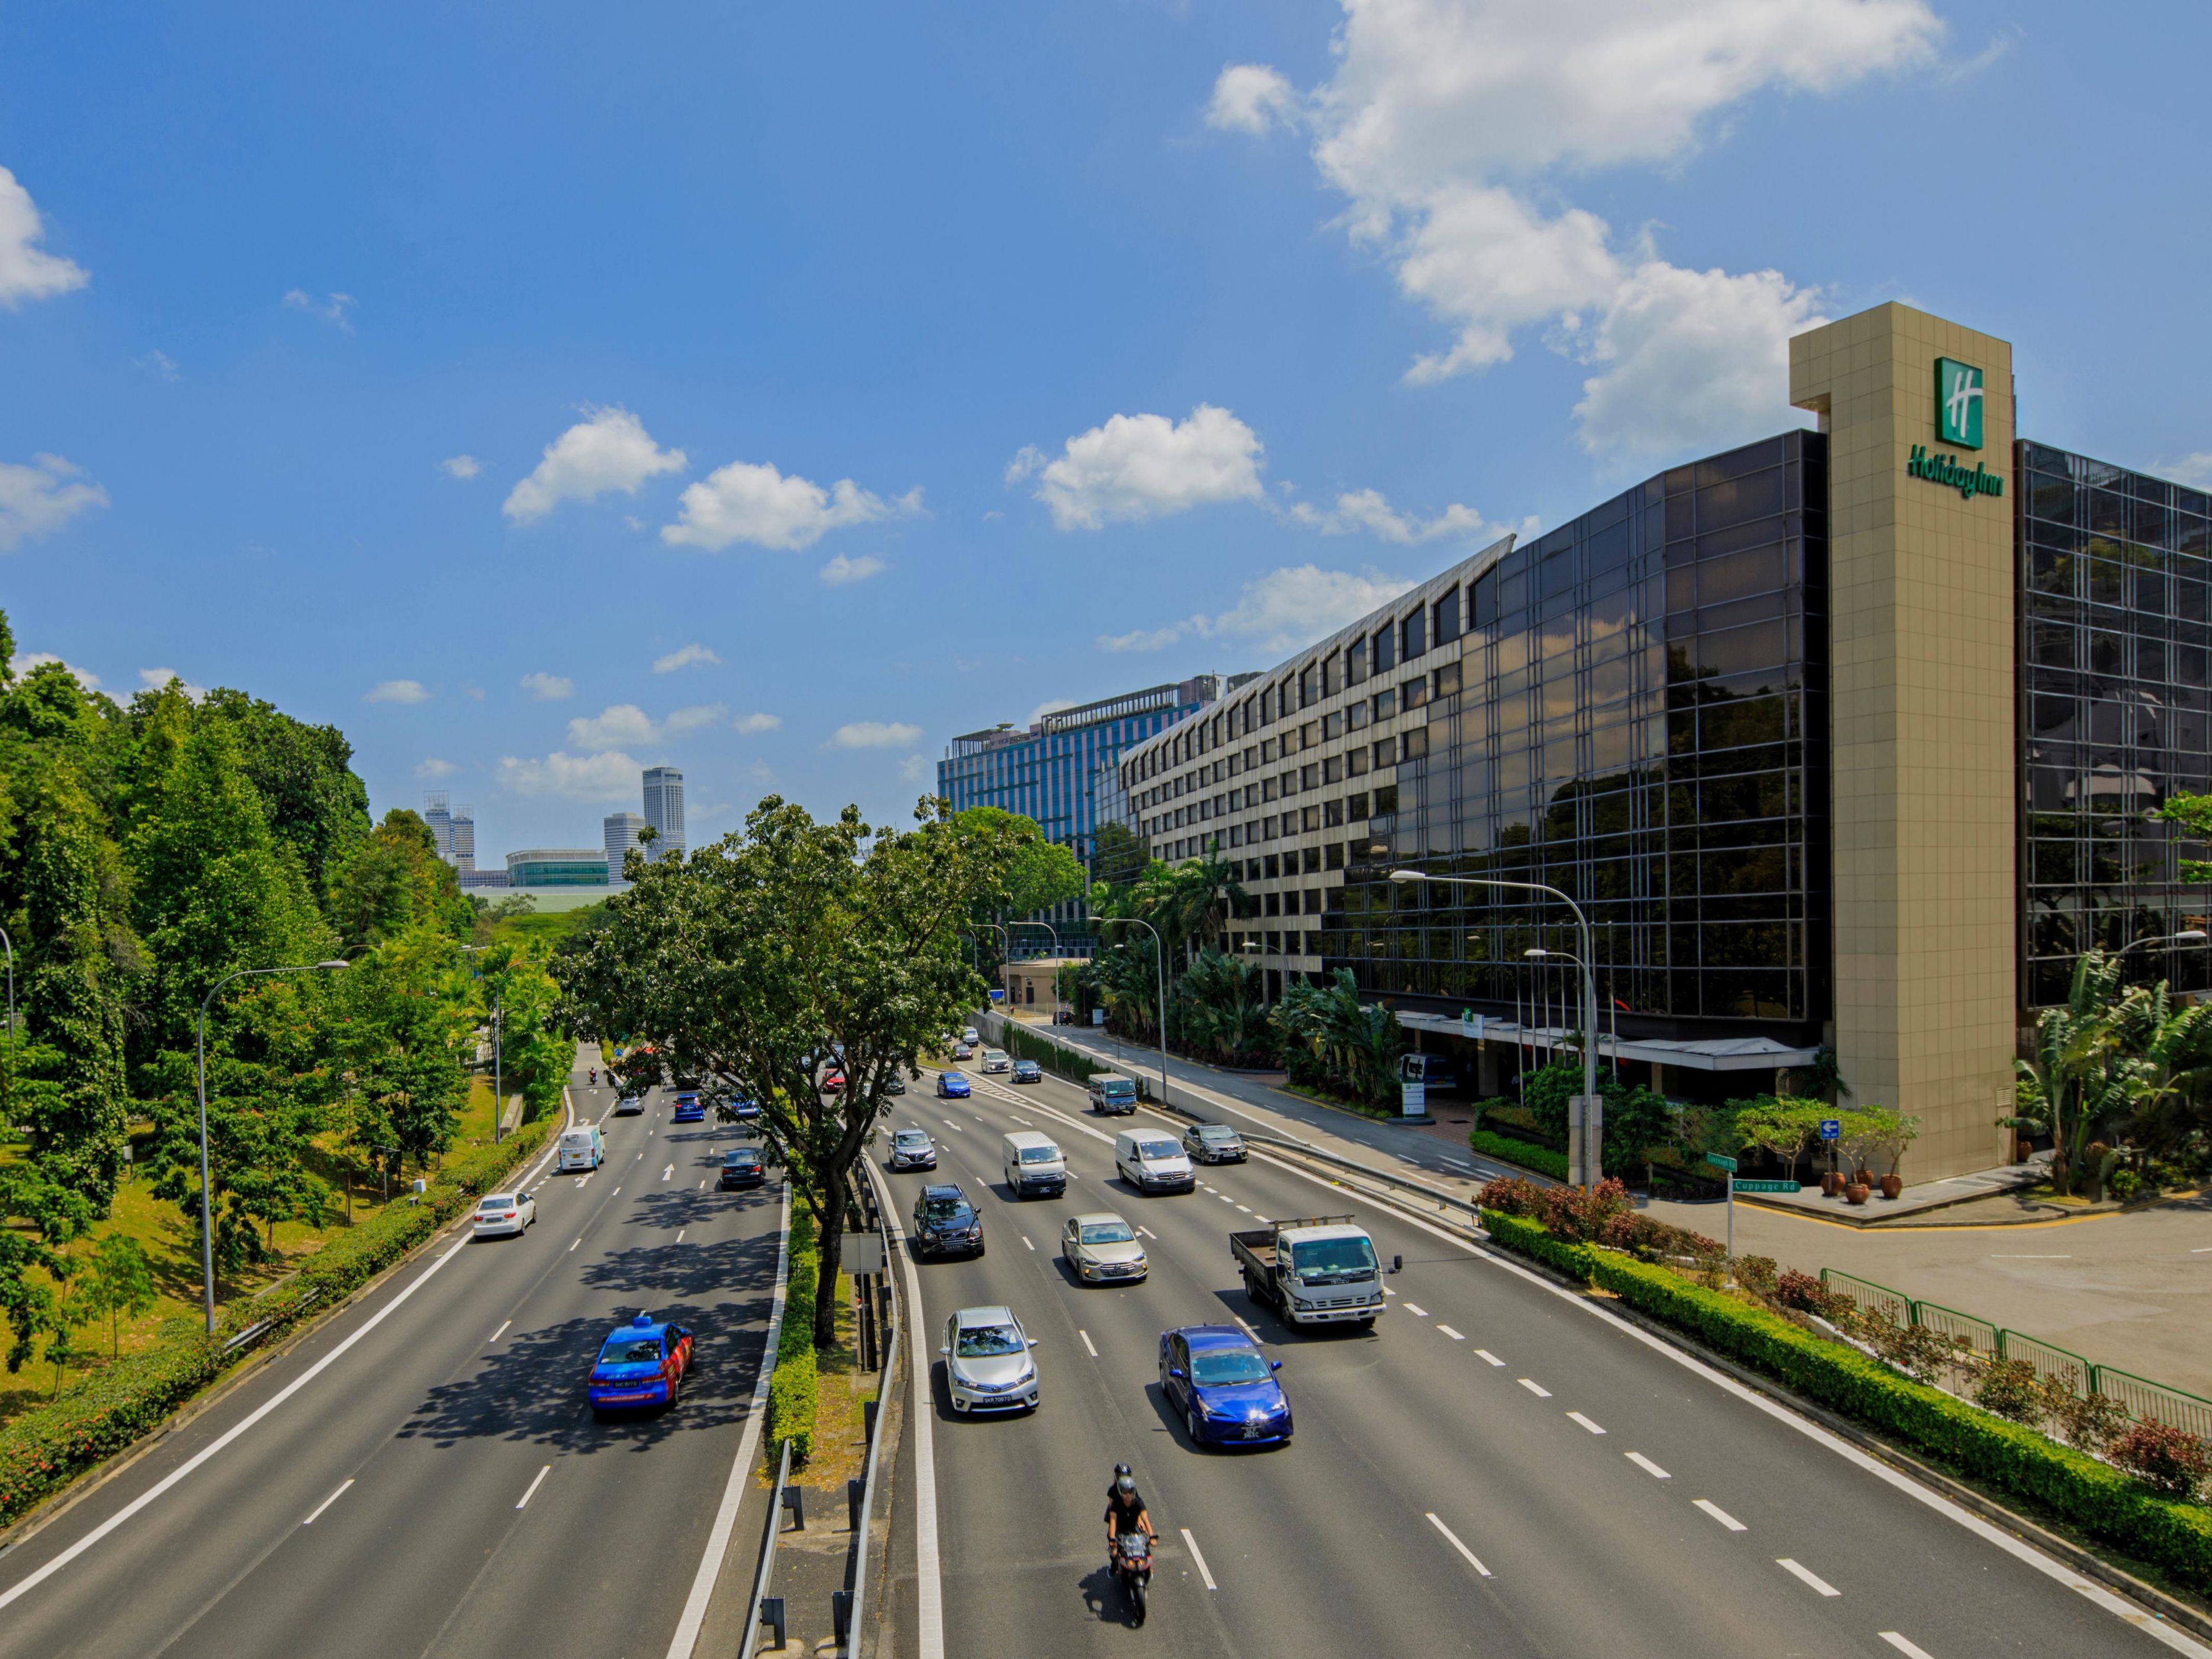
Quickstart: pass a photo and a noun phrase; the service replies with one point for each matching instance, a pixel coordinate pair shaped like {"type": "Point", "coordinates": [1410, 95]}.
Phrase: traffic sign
{"type": "Point", "coordinates": [1720, 1161]}
{"type": "Point", "coordinates": [1766, 1186]}
{"type": "Point", "coordinates": [1832, 1128]}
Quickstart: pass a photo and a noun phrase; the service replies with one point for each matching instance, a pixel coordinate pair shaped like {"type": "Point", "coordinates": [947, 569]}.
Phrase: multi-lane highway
{"type": "Point", "coordinates": [1498, 1469]}
{"type": "Point", "coordinates": [420, 1474]}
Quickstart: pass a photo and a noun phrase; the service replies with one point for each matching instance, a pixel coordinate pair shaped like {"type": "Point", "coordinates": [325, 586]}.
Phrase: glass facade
{"type": "Point", "coordinates": [1637, 717]}
{"type": "Point", "coordinates": [565, 866]}
{"type": "Point", "coordinates": [2113, 716]}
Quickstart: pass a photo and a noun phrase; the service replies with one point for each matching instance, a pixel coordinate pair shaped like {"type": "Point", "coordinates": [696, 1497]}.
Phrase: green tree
{"type": "Point", "coordinates": [1218, 1003]}
{"type": "Point", "coordinates": [754, 959]}
{"type": "Point", "coordinates": [2082, 1075]}
{"type": "Point", "coordinates": [120, 1287]}
{"type": "Point", "coordinates": [1328, 1037]}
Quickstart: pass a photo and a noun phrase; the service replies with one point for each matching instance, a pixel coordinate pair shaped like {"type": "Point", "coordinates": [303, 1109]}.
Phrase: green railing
{"type": "Point", "coordinates": [2143, 1399]}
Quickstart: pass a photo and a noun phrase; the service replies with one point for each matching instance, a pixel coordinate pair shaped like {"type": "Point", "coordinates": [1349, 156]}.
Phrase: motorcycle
{"type": "Point", "coordinates": [1133, 1569]}
{"type": "Point", "coordinates": [595, 1077]}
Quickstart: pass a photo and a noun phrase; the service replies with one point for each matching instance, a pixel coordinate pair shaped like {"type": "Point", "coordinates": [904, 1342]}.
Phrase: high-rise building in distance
{"type": "Point", "coordinates": [461, 839]}
{"type": "Point", "coordinates": [622, 830]}
{"type": "Point", "coordinates": [663, 810]}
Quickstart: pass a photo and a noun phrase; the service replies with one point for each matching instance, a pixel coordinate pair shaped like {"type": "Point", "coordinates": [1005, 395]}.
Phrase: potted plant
{"type": "Point", "coordinates": [1887, 1132]}
{"type": "Point", "coordinates": [1856, 1192]}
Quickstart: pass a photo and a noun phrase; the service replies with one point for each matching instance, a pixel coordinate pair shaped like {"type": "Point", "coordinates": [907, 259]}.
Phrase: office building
{"type": "Point", "coordinates": [557, 867]}
{"type": "Point", "coordinates": [622, 830]}
{"type": "Point", "coordinates": [455, 831]}
{"type": "Point", "coordinates": [1844, 739]}
{"type": "Point", "coordinates": [664, 811]}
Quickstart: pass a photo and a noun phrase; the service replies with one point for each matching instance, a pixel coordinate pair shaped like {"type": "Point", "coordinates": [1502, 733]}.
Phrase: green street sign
{"type": "Point", "coordinates": [1766, 1186]}
{"type": "Point", "coordinates": [1958, 403]}
{"type": "Point", "coordinates": [1720, 1161]}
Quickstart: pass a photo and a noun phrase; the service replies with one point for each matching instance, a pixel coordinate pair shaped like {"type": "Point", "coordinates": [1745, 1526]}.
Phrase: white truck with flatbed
{"type": "Point", "coordinates": [1314, 1270]}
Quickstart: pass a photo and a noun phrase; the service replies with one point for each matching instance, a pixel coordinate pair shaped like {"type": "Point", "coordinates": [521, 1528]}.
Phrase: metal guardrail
{"type": "Point", "coordinates": [892, 1357]}
{"type": "Point", "coordinates": [261, 1328]}
{"type": "Point", "coordinates": [768, 1562]}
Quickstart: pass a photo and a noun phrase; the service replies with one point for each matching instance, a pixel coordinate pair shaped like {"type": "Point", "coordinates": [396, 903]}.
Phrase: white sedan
{"type": "Point", "coordinates": [504, 1214]}
{"type": "Point", "coordinates": [1103, 1250]}
{"type": "Point", "coordinates": [988, 1366]}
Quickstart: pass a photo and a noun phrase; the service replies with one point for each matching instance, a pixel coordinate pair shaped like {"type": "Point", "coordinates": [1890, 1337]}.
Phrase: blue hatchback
{"type": "Point", "coordinates": [1224, 1387]}
{"type": "Point", "coordinates": [690, 1108]}
{"type": "Point", "coordinates": [641, 1363]}
{"type": "Point", "coordinates": [951, 1086]}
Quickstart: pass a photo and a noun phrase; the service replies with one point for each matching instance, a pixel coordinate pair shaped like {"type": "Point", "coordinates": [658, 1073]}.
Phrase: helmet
{"type": "Point", "coordinates": [1123, 1478]}
{"type": "Point", "coordinates": [1120, 1469]}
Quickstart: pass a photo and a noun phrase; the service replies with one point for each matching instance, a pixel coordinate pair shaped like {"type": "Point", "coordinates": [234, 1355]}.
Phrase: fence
{"type": "Point", "coordinates": [889, 1349]}
{"type": "Point", "coordinates": [2144, 1401]}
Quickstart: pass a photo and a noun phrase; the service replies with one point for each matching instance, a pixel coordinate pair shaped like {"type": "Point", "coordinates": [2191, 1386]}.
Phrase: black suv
{"type": "Point", "coordinates": [742, 1167]}
{"type": "Point", "coordinates": [946, 1224]}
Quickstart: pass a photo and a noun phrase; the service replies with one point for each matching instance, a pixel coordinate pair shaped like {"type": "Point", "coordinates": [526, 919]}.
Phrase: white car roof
{"type": "Point", "coordinates": [972, 1318]}
{"type": "Point", "coordinates": [1096, 1218]}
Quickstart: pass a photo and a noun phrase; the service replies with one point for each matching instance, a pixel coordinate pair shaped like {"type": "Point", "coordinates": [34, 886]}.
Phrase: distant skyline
{"type": "Point", "coordinates": [542, 397]}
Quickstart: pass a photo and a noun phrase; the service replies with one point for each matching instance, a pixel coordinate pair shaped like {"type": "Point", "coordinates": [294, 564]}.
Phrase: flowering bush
{"type": "Point", "coordinates": [2010, 1388]}
{"type": "Point", "coordinates": [1804, 1293]}
{"type": "Point", "coordinates": [1512, 1195]}
{"type": "Point", "coordinates": [1580, 1215]}
{"type": "Point", "coordinates": [2170, 1461]}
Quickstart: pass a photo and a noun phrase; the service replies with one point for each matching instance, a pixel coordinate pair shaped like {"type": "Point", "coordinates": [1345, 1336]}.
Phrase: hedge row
{"type": "Point", "coordinates": [1526, 1154]}
{"type": "Point", "coordinates": [1024, 1044]}
{"type": "Point", "coordinates": [43, 1450]}
{"type": "Point", "coordinates": [791, 1390]}
{"type": "Point", "coordinates": [2078, 1489]}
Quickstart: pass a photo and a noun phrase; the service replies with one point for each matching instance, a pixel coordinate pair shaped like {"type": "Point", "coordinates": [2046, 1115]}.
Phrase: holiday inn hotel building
{"type": "Point", "coordinates": [1848, 737]}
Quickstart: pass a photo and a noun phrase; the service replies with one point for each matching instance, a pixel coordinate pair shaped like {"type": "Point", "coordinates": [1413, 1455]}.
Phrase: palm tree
{"type": "Point", "coordinates": [2084, 1071]}
{"type": "Point", "coordinates": [1218, 1003]}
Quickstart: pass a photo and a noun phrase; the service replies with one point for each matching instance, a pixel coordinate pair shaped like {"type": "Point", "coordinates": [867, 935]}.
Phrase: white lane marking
{"type": "Point", "coordinates": [616, 1194]}
{"type": "Point", "coordinates": [1450, 1333]}
{"type": "Point", "coordinates": [640, 1157]}
{"type": "Point", "coordinates": [1150, 1234]}
{"type": "Point", "coordinates": [31, 1580]}
{"type": "Point", "coordinates": [929, 1586]}
{"type": "Point", "coordinates": [2001, 1255]}
{"type": "Point", "coordinates": [1536, 1389]}
{"type": "Point", "coordinates": [1910, 1649]}
{"type": "Point", "coordinates": [1418, 1312]}
{"type": "Point", "coordinates": [1202, 1184]}
{"type": "Point", "coordinates": [949, 1123]}
{"type": "Point", "coordinates": [1224, 1198]}
{"type": "Point", "coordinates": [1808, 1575]}
{"type": "Point", "coordinates": [2201, 1250]}
{"type": "Point", "coordinates": [1452, 1538]}
{"type": "Point", "coordinates": [1265, 1221]}
{"type": "Point", "coordinates": [1585, 1422]}
{"type": "Point", "coordinates": [680, 1231]}
{"type": "Point", "coordinates": [1489, 1357]}
{"type": "Point", "coordinates": [1456, 1163]}
{"type": "Point", "coordinates": [325, 1504]}
{"type": "Point", "coordinates": [534, 1485]}
{"type": "Point", "coordinates": [726, 1518]}
{"type": "Point", "coordinates": [502, 1331]}
{"type": "Point", "coordinates": [668, 1172]}
{"type": "Point", "coordinates": [1025, 1240]}
{"type": "Point", "coordinates": [1720, 1515]}
{"type": "Point", "coordinates": [1250, 1329]}
{"type": "Point", "coordinates": [1191, 1544]}
{"type": "Point", "coordinates": [1247, 1208]}
{"type": "Point", "coordinates": [702, 1183]}
{"type": "Point", "coordinates": [1018, 1118]}
{"type": "Point", "coordinates": [1085, 1336]}
{"type": "Point", "coordinates": [579, 1239]}
{"type": "Point", "coordinates": [582, 1179]}
{"type": "Point", "coordinates": [1648, 1467]}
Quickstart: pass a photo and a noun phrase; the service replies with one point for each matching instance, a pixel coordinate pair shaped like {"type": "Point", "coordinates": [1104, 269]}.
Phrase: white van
{"type": "Point", "coordinates": [1153, 1161]}
{"type": "Point", "coordinates": [1113, 1094]}
{"type": "Point", "coordinates": [1033, 1163]}
{"type": "Point", "coordinates": [582, 1148]}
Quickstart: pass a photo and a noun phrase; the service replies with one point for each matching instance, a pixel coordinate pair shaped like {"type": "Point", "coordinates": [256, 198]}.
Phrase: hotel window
{"type": "Point", "coordinates": [1268, 751]}
{"type": "Point", "coordinates": [1414, 745]}
{"type": "Point", "coordinates": [1447, 679]}
{"type": "Point", "coordinates": [1356, 715]}
{"type": "Point", "coordinates": [1332, 726]}
{"type": "Point", "coordinates": [1310, 777]}
{"type": "Point", "coordinates": [1332, 769]}
{"type": "Point", "coordinates": [1332, 814]}
{"type": "Point", "coordinates": [1413, 633]}
{"type": "Point", "coordinates": [1447, 610]}
{"type": "Point", "coordinates": [1355, 762]}
{"type": "Point", "coordinates": [1308, 686]}
{"type": "Point", "coordinates": [1385, 654]}
{"type": "Point", "coordinates": [1413, 693]}
{"type": "Point", "coordinates": [1355, 662]}
{"type": "Point", "coordinates": [1355, 807]}
{"type": "Point", "coordinates": [1386, 704]}
{"type": "Point", "coordinates": [1310, 819]}
{"type": "Point", "coordinates": [1385, 753]}
{"type": "Point", "coordinates": [1332, 674]}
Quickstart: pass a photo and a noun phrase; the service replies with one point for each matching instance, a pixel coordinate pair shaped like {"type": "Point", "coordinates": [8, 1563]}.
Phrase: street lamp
{"type": "Point", "coordinates": [1160, 961]}
{"type": "Point", "coordinates": [1612, 1022]}
{"type": "Point", "coordinates": [2186, 936]}
{"type": "Point", "coordinates": [498, 1042]}
{"type": "Point", "coordinates": [1581, 1156]}
{"type": "Point", "coordinates": [207, 1196]}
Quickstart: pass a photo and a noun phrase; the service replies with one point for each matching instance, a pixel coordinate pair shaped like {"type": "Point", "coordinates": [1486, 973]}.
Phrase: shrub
{"type": "Point", "coordinates": [1580, 1213]}
{"type": "Point", "coordinates": [1507, 1150]}
{"type": "Point", "coordinates": [791, 1390]}
{"type": "Point", "coordinates": [2170, 1461]}
{"type": "Point", "coordinates": [1804, 1293]}
{"type": "Point", "coordinates": [2092, 1422]}
{"type": "Point", "coordinates": [2009, 1388]}
{"type": "Point", "coordinates": [1651, 1238]}
{"type": "Point", "coordinates": [1511, 1195]}
{"type": "Point", "coordinates": [1757, 1274]}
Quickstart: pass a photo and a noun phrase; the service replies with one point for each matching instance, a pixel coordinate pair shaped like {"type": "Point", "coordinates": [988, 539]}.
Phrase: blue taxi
{"type": "Point", "coordinates": [641, 1363]}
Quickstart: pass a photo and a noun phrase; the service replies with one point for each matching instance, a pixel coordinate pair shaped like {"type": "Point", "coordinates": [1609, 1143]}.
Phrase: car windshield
{"type": "Point", "coordinates": [623, 1349]}
{"type": "Point", "coordinates": [909, 1137]}
{"type": "Point", "coordinates": [988, 1341]}
{"type": "Point", "coordinates": [944, 1209]}
{"type": "Point", "coordinates": [1149, 1150]}
{"type": "Point", "coordinates": [739, 1156]}
{"type": "Point", "coordinates": [1215, 1367]}
{"type": "Point", "coordinates": [1215, 1132]}
{"type": "Point", "coordinates": [1117, 1091]}
{"type": "Point", "coordinates": [1333, 1257]}
{"type": "Point", "coordinates": [1108, 1232]}
{"type": "Point", "coordinates": [1039, 1154]}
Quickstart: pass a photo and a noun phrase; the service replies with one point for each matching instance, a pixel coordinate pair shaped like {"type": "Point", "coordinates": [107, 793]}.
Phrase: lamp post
{"type": "Point", "coordinates": [1055, 932]}
{"type": "Point", "coordinates": [1583, 1151]}
{"type": "Point", "coordinates": [1612, 1021]}
{"type": "Point", "coordinates": [207, 1196]}
{"type": "Point", "coordinates": [1160, 961]}
{"type": "Point", "coordinates": [2186, 936]}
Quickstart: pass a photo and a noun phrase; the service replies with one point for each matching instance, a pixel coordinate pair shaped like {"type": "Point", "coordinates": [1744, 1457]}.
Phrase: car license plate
{"type": "Point", "coordinates": [1255, 1430]}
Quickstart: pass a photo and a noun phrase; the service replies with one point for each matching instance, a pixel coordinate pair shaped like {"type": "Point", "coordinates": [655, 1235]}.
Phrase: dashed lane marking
{"type": "Point", "coordinates": [1450, 1333]}
{"type": "Point", "coordinates": [1250, 1329]}
{"type": "Point", "coordinates": [1191, 1544]}
{"type": "Point", "coordinates": [1536, 1389]}
{"type": "Point", "coordinates": [1150, 1234]}
{"type": "Point", "coordinates": [325, 1504]}
{"type": "Point", "coordinates": [1809, 1576]}
{"type": "Point", "coordinates": [1647, 1467]}
{"type": "Point", "coordinates": [1452, 1538]}
{"type": "Point", "coordinates": [1593, 1427]}
{"type": "Point", "coordinates": [680, 1231]}
{"type": "Point", "coordinates": [1418, 1313]}
{"type": "Point", "coordinates": [1025, 1240]}
{"type": "Point", "coordinates": [534, 1485]}
{"type": "Point", "coordinates": [1720, 1515]}
{"type": "Point", "coordinates": [1247, 1208]}
{"type": "Point", "coordinates": [616, 1194]}
{"type": "Point", "coordinates": [1912, 1649]}
{"type": "Point", "coordinates": [1489, 1358]}
{"type": "Point", "coordinates": [1085, 1336]}
{"type": "Point", "coordinates": [579, 1239]}
{"type": "Point", "coordinates": [502, 1331]}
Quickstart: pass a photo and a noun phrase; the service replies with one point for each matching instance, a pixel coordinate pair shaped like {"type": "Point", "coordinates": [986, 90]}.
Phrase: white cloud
{"type": "Point", "coordinates": [154, 678]}
{"type": "Point", "coordinates": [40, 498]}
{"type": "Point", "coordinates": [913, 768]}
{"type": "Point", "coordinates": [1049, 706]}
{"type": "Point", "coordinates": [331, 308]}
{"type": "Point", "coordinates": [744, 502]}
{"type": "Point", "coordinates": [463, 467]}
{"type": "Point", "coordinates": [751, 725]}
{"type": "Point", "coordinates": [609, 449]}
{"type": "Point", "coordinates": [548, 688]}
{"type": "Point", "coordinates": [23, 663]}
{"type": "Point", "coordinates": [604, 777]}
{"type": "Point", "coordinates": [27, 271]}
{"type": "Point", "coordinates": [1446, 122]}
{"type": "Point", "coordinates": [1252, 98]}
{"type": "Point", "coordinates": [409, 692]}
{"type": "Point", "coordinates": [683, 658]}
{"type": "Point", "coordinates": [626, 723]}
{"type": "Point", "coordinates": [432, 769]}
{"type": "Point", "coordinates": [2195, 470]}
{"type": "Point", "coordinates": [841, 571]}
{"type": "Point", "coordinates": [1369, 511]}
{"type": "Point", "coordinates": [1277, 612]}
{"type": "Point", "coordinates": [475, 693]}
{"type": "Point", "coordinates": [160, 364]}
{"type": "Point", "coordinates": [1145, 467]}
{"type": "Point", "coordinates": [874, 734]}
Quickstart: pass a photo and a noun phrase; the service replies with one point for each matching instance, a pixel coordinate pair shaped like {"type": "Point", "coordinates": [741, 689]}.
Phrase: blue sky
{"type": "Point", "coordinates": [540, 391]}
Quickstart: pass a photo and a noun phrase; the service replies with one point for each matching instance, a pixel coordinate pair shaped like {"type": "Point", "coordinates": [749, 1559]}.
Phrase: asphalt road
{"type": "Point", "coordinates": [1496, 1468]}
{"type": "Point", "coordinates": [441, 1486]}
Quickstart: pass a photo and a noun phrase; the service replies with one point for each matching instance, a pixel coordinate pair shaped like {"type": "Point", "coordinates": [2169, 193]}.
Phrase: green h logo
{"type": "Point", "coordinates": [1958, 403]}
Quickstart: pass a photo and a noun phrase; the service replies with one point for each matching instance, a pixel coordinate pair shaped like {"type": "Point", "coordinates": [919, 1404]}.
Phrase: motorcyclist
{"type": "Point", "coordinates": [595, 1077]}
{"type": "Point", "coordinates": [1124, 1511]}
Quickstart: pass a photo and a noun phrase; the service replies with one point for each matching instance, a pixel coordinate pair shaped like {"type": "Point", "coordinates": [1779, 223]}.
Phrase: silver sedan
{"type": "Point", "coordinates": [988, 1366]}
{"type": "Point", "coordinates": [1103, 1250]}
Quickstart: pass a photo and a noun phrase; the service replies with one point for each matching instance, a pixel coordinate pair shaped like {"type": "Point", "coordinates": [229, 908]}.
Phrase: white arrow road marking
{"type": "Point", "coordinates": [534, 1485]}
{"type": "Point", "coordinates": [1720, 1515]}
{"type": "Point", "coordinates": [1452, 1538]}
{"type": "Point", "coordinates": [325, 1504]}
{"type": "Point", "coordinates": [1648, 1467]}
{"type": "Point", "coordinates": [1536, 1389]}
{"type": "Point", "coordinates": [1810, 1577]}
{"type": "Point", "coordinates": [668, 1172]}
{"type": "Point", "coordinates": [1192, 1544]}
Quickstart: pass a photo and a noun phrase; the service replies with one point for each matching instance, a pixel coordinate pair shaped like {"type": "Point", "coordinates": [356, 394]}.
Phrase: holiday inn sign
{"type": "Point", "coordinates": [1957, 420]}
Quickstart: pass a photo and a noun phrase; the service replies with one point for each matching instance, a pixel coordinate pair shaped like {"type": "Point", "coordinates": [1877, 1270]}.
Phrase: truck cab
{"type": "Point", "coordinates": [1316, 1270]}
